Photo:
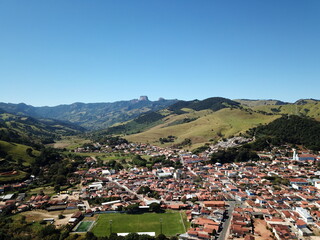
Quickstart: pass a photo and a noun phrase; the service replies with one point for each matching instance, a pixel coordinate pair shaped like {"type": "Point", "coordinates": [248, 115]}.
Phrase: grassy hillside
{"type": "Point", "coordinates": [206, 125]}
{"type": "Point", "coordinates": [182, 112]}
{"type": "Point", "coordinates": [14, 160]}
{"type": "Point", "coordinates": [310, 109]}
{"type": "Point", "coordinates": [254, 103]}
{"type": "Point", "coordinates": [18, 151]}
{"type": "Point", "coordinates": [30, 131]}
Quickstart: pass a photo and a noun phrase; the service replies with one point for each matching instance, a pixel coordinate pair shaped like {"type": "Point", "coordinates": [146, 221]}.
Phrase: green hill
{"type": "Point", "coordinates": [17, 152]}
{"type": "Point", "coordinates": [288, 129]}
{"type": "Point", "coordinates": [214, 103]}
{"type": "Point", "coordinates": [180, 113]}
{"type": "Point", "coordinates": [254, 103]}
{"type": "Point", "coordinates": [205, 126]}
{"type": "Point", "coordinates": [309, 109]}
{"type": "Point", "coordinates": [15, 161]}
{"type": "Point", "coordinates": [198, 122]}
{"type": "Point", "coordinates": [31, 131]}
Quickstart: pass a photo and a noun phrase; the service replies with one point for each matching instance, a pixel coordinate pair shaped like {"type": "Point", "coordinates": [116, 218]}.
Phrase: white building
{"type": "Point", "coordinates": [305, 215]}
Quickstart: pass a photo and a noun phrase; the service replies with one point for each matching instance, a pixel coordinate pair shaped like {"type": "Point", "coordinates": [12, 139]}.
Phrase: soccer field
{"type": "Point", "coordinates": [172, 223]}
{"type": "Point", "coordinates": [84, 226]}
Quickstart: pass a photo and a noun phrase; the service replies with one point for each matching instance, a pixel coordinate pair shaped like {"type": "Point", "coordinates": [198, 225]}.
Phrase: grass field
{"type": "Point", "coordinates": [70, 142]}
{"type": "Point", "coordinates": [84, 226]}
{"type": "Point", "coordinates": [172, 223]}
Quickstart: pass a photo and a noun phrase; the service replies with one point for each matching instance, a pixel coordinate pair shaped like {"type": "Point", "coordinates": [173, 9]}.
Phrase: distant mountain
{"type": "Point", "coordinates": [208, 120]}
{"type": "Point", "coordinates": [91, 115]}
{"type": "Point", "coordinates": [253, 103]}
{"type": "Point", "coordinates": [30, 131]}
{"type": "Point", "coordinates": [200, 121]}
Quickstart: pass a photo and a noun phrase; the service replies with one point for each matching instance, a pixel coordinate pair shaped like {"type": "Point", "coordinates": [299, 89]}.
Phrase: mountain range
{"type": "Point", "coordinates": [90, 115]}
{"type": "Point", "coordinates": [142, 120]}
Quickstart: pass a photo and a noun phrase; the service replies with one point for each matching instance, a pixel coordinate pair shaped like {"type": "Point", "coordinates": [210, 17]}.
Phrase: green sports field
{"type": "Point", "coordinates": [84, 226]}
{"type": "Point", "coordinates": [172, 223]}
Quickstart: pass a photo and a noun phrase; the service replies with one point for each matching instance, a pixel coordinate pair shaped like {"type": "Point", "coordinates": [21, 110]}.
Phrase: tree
{"type": "Point", "coordinates": [48, 230]}
{"type": "Point", "coordinates": [57, 188]}
{"type": "Point", "coordinates": [61, 180]}
{"type": "Point", "coordinates": [132, 236]}
{"type": "Point", "coordinates": [29, 152]}
{"type": "Point", "coordinates": [161, 237]}
{"type": "Point", "coordinates": [155, 207]}
{"type": "Point", "coordinates": [139, 161]}
{"type": "Point", "coordinates": [90, 236]}
{"type": "Point", "coordinates": [133, 208]}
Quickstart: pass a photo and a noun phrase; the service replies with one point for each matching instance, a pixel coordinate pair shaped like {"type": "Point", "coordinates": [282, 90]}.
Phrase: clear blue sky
{"type": "Point", "coordinates": [59, 52]}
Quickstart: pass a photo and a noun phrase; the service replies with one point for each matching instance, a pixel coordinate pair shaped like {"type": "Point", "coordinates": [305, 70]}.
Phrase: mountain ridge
{"type": "Point", "coordinates": [90, 115]}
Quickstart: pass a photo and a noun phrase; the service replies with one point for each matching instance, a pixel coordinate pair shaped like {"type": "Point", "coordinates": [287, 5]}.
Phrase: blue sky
{"type": "Point", "coordinates": [60, 52]}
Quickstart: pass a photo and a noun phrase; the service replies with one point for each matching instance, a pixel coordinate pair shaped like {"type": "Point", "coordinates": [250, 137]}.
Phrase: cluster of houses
{"type": "Point", "coordinates": [281, 190]}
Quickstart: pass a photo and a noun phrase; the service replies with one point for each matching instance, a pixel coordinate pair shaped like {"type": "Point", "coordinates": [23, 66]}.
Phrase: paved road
{"type": "Point", "coordinates": [126, 188]}
{"type": "Point", "coordinates": [226, 225]}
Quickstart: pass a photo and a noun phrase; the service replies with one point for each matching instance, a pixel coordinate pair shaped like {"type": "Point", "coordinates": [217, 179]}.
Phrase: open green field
{"type": "Point", "coordinates": [172, 223]}
{"type": "Point", "coordinates": [70, 142]}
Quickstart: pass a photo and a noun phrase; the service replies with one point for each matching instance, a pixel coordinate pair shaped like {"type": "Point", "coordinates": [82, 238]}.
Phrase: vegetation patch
{"type": "Point", "coordinates": [288, 129]}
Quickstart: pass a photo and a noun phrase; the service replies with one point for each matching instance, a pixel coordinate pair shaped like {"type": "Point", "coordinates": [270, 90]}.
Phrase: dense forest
{"type": "Point", "coordinates": [287, 129]}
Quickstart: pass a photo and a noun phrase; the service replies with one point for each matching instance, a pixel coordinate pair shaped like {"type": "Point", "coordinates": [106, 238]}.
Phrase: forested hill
{"type": "Point", "coordinates": [214, 103]}
{"type": "Point", "coordinates": [91, 115]}
{"type": "Point", "coordinates": [288, 129]}
{"type": "Point", "coordinates": [31, 131]}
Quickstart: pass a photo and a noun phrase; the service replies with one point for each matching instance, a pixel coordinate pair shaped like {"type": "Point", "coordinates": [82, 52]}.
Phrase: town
{"type": "Point", "coordinates": [276, 197]}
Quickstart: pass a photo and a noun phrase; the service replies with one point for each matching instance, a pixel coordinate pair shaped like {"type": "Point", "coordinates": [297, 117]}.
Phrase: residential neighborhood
{"type": "Point", "coordinates": [276, 197]}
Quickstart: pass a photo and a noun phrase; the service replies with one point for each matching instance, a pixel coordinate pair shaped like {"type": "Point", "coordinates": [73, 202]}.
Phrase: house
{"type": "Point", "coordinates": [214, 203]}
{"type": "Point", "coordinates": [76, 217]}
{"type": "Point", "coordinates": [305, 215]}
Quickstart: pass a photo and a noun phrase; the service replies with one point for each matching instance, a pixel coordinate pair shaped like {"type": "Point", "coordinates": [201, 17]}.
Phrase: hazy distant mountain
{"type": "Point", "coordinates": [91, 115]}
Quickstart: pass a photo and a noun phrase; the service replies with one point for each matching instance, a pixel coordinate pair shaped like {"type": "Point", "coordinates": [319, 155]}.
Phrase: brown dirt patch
{"type": "Point", "coordinates": [38, 215]}
{"type": "Point", "coordinates": [261, 231]}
